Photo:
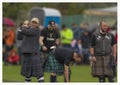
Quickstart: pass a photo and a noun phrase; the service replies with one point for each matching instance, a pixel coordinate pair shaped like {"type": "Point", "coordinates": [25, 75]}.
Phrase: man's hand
{"type": "Point", "coordinates": [114, 57]}
{"type": "Point", "coordinates": [44, 48]}
{"type": "Point", "coordinates": [93, 58]}
{"type": "Point", "coordinates": [19, 30]}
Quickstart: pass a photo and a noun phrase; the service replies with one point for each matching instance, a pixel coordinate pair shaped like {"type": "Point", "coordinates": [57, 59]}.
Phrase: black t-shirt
{"type": "Point", "coordinates": [50, 37]}
{"type": "Point", "coordinates": [64, 55]}
{"type": "Point", "coordinates": [93, 40]}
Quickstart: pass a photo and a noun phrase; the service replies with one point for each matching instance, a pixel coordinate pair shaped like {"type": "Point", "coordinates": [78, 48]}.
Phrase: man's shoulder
{"type": "Point", "coordinates": [110, 34]}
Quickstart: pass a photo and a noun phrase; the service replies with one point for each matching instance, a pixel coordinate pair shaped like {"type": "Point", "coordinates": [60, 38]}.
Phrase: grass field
{"type": "Point", "coordinates": [79, 74]}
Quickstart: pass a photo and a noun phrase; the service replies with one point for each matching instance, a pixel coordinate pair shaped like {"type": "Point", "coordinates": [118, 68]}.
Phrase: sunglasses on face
{"type": "Point", "coordinates": [34, 22]}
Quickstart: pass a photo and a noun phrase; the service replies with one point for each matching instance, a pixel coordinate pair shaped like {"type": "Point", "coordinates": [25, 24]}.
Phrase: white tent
{"type": "Point", "coordinates": [111, 11]}
{"type": "Point", "coordinates": [51, 12]}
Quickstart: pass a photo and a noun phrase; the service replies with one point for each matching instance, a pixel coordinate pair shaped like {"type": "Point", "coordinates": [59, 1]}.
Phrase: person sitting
{"type": "Point", "coordinates": [13, 58]}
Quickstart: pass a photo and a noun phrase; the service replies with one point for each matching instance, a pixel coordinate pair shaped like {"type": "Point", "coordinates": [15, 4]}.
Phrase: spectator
{"type": "Point", "coordinates": [78, 49]}
{"type": "Point", "coordinates": [75, 31]}
{"type": "Point", "coordinates": [9, 41]}
{"type": "Point", "coordinates": [19, 42]}
{"type": "Point", "coordinates": [26, 24]}
{"type": "Point", "coordinates": [80, 30]}
{"type": "Point", "coordinates": [85, 41]}
{"type": "Point", "coordinates": [66, 37]}
{"type": "Point", "coordinates": [13, 58]}
{"type": "Point", "coordinates": [75, 35]}
{"type": "Point", "coordinates": [9, 38]}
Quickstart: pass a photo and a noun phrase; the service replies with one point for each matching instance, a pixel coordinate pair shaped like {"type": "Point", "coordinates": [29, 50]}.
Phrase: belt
{"type": "Point", "coordinates": [103, 54]}
{"type": "Point", "coordinates": [34, 53]}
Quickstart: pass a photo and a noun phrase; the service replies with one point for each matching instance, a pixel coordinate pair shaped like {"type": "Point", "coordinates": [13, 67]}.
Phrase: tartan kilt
{"type": "Point", "coordinates": [31, 66]}
{"type": "Point", "coordinates": [52, 65]}
{"type": "Point", "coordinates": [102, 66]}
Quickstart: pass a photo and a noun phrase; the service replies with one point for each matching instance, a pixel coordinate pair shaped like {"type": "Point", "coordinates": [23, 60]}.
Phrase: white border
{"type": "Point", "coordinates": [50, 1]}
{"type": "Point", "coordinates": [1, 42]}
{"type": "Point", "coordinates": [118, 50]}
{"type": "Point", "coordinates": [62, 1]}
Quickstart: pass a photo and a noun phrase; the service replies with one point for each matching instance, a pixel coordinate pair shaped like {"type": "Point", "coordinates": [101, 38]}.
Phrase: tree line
{"type": "Point", "coordinates": [11, 10]}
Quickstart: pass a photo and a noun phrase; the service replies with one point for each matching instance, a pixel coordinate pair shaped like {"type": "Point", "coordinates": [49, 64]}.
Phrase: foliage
{"type": "Point", "coordinates": [12, 10]}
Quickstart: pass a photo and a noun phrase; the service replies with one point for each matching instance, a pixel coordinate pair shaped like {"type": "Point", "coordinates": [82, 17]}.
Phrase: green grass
{"type": "Point", "coordinates": [79, 74]}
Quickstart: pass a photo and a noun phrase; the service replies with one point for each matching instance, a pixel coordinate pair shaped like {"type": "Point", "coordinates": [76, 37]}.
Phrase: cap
{"type": "Point", "coordinates": [35, 20]}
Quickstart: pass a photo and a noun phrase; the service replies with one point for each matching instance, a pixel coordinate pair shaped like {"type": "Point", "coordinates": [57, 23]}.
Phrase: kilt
{"type": "Point", "coordinates": [31, 65]}
{"type": "Point", "coordinates": [102, 66]}
{"type": "Point", "coordinates": [52, 65]}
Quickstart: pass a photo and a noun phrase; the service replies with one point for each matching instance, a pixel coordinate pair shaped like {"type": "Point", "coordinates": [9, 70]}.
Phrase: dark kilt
{"type": "Point", "coordinates": [102, 66]}
{"type": "Point", "coordinates": [52, 65]}
{"type": "Point", "coordinates": [31, 66]}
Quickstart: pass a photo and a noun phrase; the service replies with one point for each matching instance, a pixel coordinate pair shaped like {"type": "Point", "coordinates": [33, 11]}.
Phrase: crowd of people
{"type": "Point", "coordinates": [52, 49]}
{"type": "Point", "coordinates": [8, 43]}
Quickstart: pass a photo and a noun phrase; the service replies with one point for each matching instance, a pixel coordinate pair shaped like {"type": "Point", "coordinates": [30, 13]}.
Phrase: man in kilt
{"type": "Point", "coordinates": [64, 56]}
{"type": "Point", "coordinates": [31, 65]}
{"type": "Point", "coordinates": [49, 39]}
{"type": "Point", "coordinates": [103, 52]}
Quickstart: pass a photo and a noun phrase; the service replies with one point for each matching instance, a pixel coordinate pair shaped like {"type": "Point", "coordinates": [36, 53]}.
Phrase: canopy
{"type": "Point", "coordinates": [110, 11]}
{"type": "Point", "coordinates": [8, 22]}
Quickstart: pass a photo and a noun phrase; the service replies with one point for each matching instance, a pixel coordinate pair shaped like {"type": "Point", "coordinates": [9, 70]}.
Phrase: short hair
{"type": "Point", "coordinates": [50, 22]}
{"type": "Point", "coordinates": [102, 22]}
{"type": "Point", "coordinates": [63, 26]}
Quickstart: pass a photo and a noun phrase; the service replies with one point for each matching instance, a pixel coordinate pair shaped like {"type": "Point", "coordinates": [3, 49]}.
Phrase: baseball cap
{"type": "Point", "coordinates": [35, 20]}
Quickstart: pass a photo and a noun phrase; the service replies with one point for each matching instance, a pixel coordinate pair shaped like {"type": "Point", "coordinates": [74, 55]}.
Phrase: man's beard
{"type": "Point", "coordinates": [51, 28]}
{"type": "Point", "coordinates": [104, 31]}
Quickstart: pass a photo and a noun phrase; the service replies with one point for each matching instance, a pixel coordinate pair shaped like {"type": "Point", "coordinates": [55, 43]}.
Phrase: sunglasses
{"type": "Point", "coordinates": [34, 22]}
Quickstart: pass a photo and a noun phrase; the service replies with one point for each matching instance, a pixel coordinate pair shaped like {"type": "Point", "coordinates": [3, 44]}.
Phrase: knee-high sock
{"type": "Point", "coordinates": [27, 79]}
{"type": "Point", "coordinates": [41, 79]}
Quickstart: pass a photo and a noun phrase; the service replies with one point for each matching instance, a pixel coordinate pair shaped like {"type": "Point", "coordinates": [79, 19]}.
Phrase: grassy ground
{"type": "Point", "coordinates": [79, 74]}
